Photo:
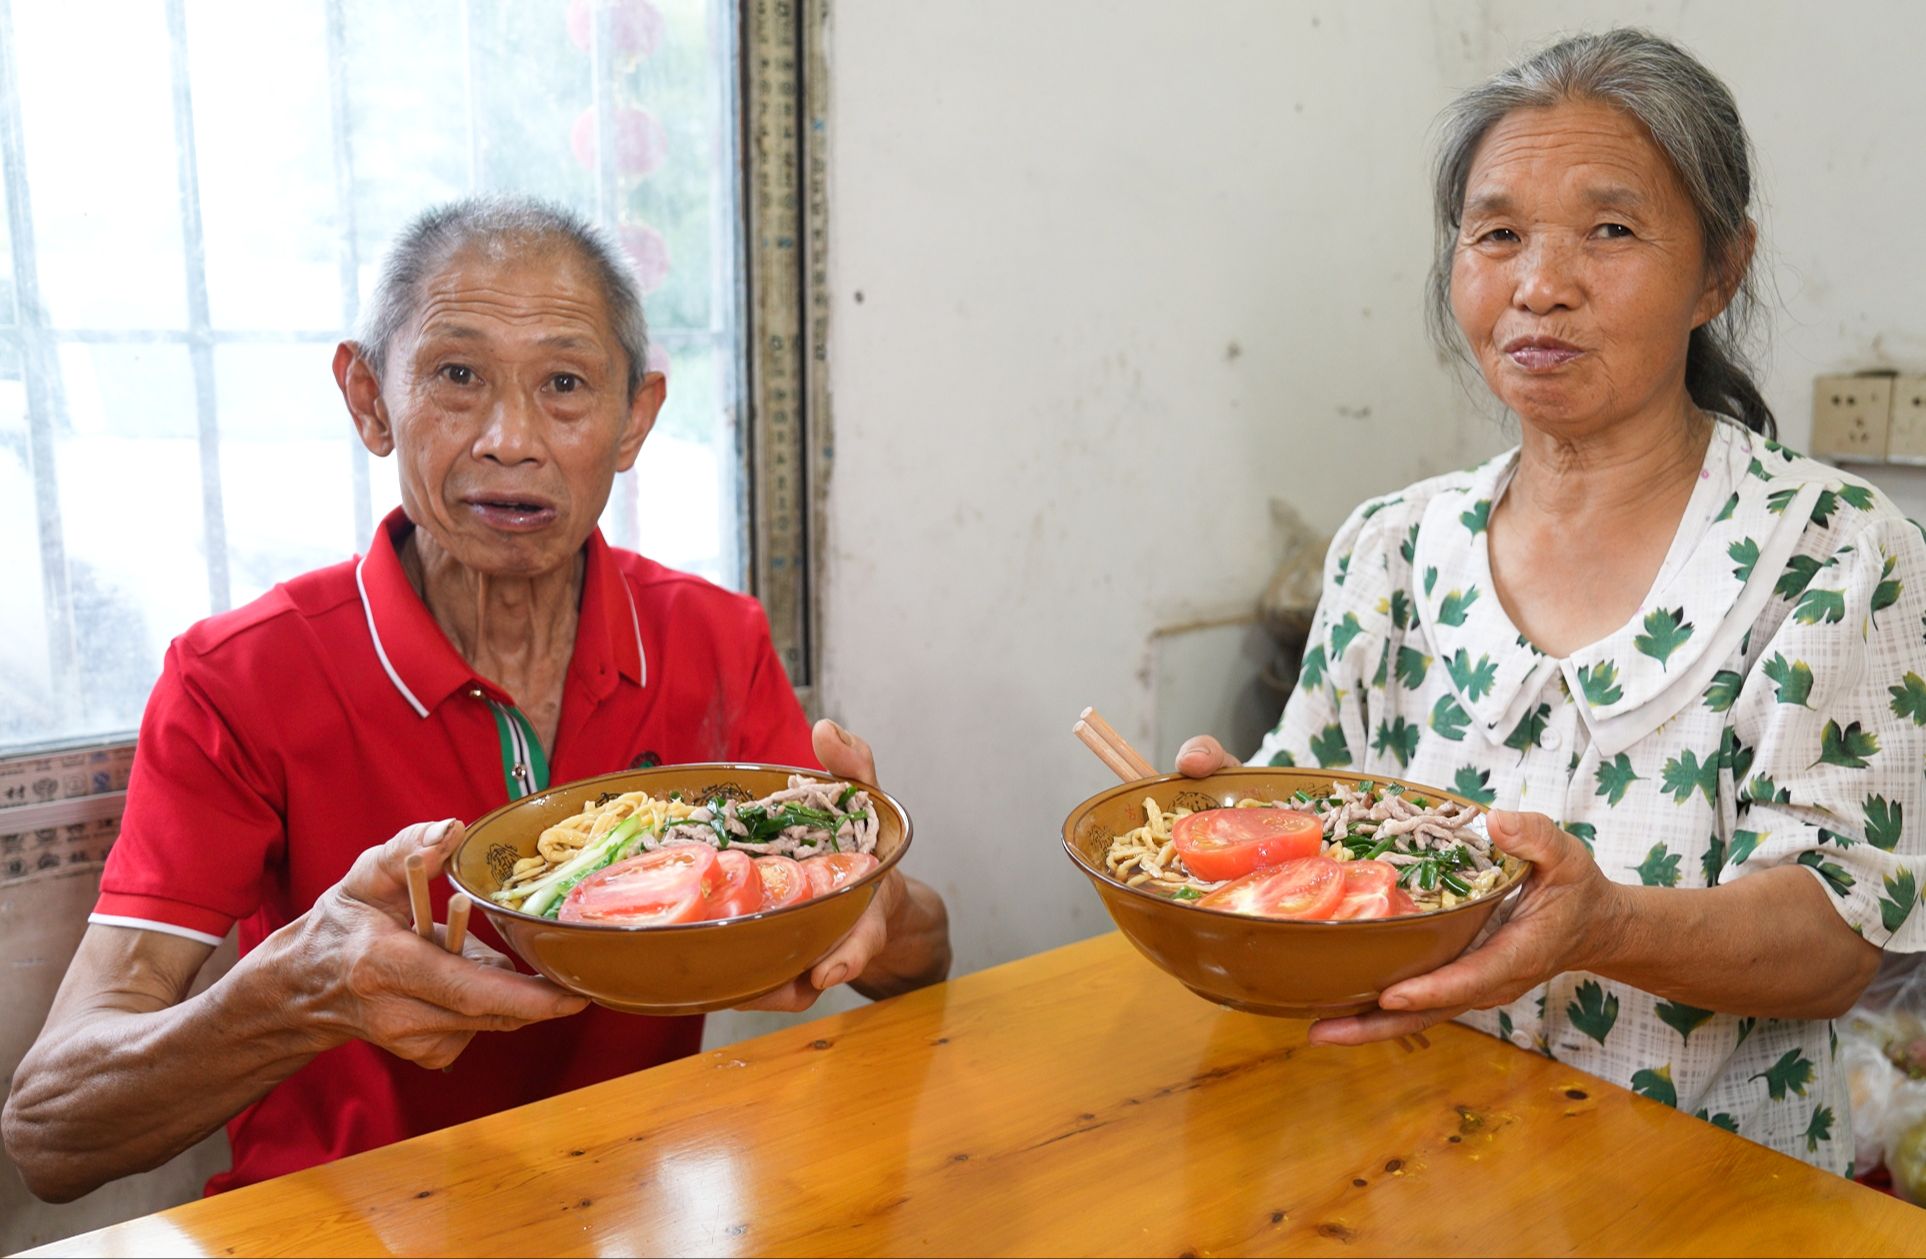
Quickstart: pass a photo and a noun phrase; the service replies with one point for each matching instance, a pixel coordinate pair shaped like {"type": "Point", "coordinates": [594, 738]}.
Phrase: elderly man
{"type": "Point", "coordinates": [490, 639]}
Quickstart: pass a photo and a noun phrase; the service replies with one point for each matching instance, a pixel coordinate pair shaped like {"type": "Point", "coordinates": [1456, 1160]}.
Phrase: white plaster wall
{"type": "Point", "coordinates": [1127, 272]}
{"type": "Point", "coordinates": [1061, 217]}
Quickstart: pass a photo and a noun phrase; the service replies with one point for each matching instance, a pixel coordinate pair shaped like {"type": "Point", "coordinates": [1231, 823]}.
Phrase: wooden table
{"type": "Point", "coordinates": [1077, 1102]}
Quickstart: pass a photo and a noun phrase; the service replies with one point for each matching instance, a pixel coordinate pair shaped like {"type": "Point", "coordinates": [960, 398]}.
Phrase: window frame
{"type": "Point", "coordinates": [782, 241]}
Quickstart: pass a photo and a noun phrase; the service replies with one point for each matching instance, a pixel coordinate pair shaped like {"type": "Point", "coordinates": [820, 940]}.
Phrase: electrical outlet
{"type": "Point", "coordinates": [1908, 441]}
{"type": "Point", "coordinates": [1851, 416]}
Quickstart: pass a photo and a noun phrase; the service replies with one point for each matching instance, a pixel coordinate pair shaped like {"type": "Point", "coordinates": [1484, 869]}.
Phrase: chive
{"type": "Point", "coordinates": [1187, 894]}
{"type": "Point", "coordinates": [1380, 848]}
{"type": "Point", "coordinates": [849, 792]}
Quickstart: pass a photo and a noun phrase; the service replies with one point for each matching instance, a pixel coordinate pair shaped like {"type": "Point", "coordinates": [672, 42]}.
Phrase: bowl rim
{"type": "Point", "coordinates": [489, 905]}
{"type": "Point", "coordinates": [1105, 878]}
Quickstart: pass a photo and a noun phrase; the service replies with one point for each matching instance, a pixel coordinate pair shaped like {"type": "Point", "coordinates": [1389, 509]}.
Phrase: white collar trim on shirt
{"type": "Point", "coordinates": [381, 653]}
{"type": "Point", "coordinates": [641, 657]}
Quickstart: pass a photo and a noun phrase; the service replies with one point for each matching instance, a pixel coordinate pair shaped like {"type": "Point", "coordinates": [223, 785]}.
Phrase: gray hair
{"type": "Point", "coordinates": [500, 224]}
{"type": "Point", "coordinates": [1693, 119]}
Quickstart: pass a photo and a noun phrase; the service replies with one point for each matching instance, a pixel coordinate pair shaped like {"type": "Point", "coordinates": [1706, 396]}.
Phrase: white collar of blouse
{"type": "Point", "coordinates": [1746, 515]}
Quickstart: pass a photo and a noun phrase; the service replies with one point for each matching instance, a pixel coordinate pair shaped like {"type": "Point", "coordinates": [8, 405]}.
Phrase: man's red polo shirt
{"type": "Point", "coordinates": [285, 737]}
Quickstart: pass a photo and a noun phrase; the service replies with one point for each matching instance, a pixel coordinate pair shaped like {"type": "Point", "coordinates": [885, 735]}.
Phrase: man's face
{"type": "Point", "coordinates": [507, 400]}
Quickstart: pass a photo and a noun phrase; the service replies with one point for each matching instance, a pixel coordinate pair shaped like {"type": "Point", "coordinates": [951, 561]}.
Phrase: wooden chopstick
{"type": "Point", "coordinates": [458, 907]}
{"type": "Point", "coordinates": [1105, 753]}
{"type": "Point", "coordinates": [418, 901]}
{"type": "Point", "coordinates": [1108, 733]}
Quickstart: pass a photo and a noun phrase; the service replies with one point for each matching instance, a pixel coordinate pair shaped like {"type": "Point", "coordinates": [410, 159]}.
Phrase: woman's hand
{"type": "Point", "coordinates": [1566, 918]}
{"type": "Point", "coordinates": [901, 942]}
{"type": "Point", "coordinates": [1201, 756]}
{"type": "Point", "coordinates": [376, 980]}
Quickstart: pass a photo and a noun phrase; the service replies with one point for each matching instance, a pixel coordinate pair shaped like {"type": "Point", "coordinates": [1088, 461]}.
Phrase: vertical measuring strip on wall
{"type": "Point", "coordinates": [784, 199]}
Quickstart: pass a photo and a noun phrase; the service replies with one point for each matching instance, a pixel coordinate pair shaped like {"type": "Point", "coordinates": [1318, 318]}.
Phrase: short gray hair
{"type": "Point", "coordinates": [1692, 118]}
{"type": "Point", "coordinates": [500, 224]}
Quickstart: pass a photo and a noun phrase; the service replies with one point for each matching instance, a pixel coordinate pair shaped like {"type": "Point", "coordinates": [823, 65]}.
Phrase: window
{"type": "Point", "coordinates": [195, 209]}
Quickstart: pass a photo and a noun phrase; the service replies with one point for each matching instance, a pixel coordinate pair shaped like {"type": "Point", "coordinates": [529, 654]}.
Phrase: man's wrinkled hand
{"type": "Point", "coordinates": [374, 979]}
{"type": "Point", "coordinates": [904, 917]}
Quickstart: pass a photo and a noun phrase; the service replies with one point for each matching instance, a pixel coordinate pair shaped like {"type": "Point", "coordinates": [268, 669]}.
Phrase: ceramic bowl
{"type": "Point", "coordinates": [1300, 970]}
{"type": "Point", "coordinates": [687, 968]}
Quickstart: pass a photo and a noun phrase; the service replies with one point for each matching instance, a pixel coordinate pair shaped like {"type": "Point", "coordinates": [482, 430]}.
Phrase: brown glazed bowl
{"type": "Point", "coordinates": [1292, 969]}
{"type": "Point", "coordinates": [688, 968]}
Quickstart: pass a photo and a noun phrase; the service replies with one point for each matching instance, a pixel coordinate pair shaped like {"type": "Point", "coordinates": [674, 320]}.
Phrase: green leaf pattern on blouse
{"type": "Point", "coordinates": [1686, 749]}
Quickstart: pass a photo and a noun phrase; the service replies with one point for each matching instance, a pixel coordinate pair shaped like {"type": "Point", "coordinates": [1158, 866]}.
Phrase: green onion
{"type": "Point", "coordinates": [1457, 884]}
{"type": "Point", "coordinates": [1380, 848]}
{"type": "Point", "coordinates": [1187, 894]}
{"type": "Point", "coordinates": [550, 890]}
{"type": "Point", "coordinates": [849, 792]}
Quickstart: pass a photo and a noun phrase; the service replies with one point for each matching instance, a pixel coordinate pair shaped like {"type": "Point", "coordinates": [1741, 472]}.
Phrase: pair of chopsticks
{"type": "Point", "coordinates": [1112, 748]}
{"type": "Point", "coordinates": [1129, 764]}
{"type": "Point", "coordinates": [458, 907]}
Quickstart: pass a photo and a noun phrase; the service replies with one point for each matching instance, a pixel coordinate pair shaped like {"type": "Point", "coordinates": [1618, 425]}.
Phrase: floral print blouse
{"type": "Point", "coordinates": [1765, 707]}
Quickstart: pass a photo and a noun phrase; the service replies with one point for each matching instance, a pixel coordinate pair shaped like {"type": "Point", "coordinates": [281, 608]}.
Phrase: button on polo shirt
{"type": "Point", "coordinates": [285, 737]}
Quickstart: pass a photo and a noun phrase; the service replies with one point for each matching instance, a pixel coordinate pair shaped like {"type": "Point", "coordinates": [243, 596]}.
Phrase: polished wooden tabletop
{"type": "Point", "coordinates": [1076, 1102]}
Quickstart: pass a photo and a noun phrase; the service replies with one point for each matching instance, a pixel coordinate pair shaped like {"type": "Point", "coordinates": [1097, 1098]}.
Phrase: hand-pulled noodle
{"type": "Point", "coordinates": [810, 817]}
{"type": "Point", "coordinates": [1441, 849]}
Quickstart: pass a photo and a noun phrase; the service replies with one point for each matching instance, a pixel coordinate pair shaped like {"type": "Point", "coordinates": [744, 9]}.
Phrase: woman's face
{"type": "Point", "coordinates": [506, 400]}
{"type": "Point", "coordinates": [1579, 272]}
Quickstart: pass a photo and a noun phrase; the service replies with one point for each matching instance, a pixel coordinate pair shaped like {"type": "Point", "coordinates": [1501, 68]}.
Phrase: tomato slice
{"type": "Point", "coordinates": [670, 884]}
{"type": "Point", "coordinates": [1368, 886]}
{"type": "Point", "coordinates": [739, 891]}
{"type": "Point", "coordinates": [1309, 887]}
{"type": "Point", "coordinates": [1369, 876]}
{"type": "Point", "coordinates": [836, 869]}
{"type": "Point", "coordinates": [1230, 843]}
{"type": "Point", "coordinates": [783, 882]}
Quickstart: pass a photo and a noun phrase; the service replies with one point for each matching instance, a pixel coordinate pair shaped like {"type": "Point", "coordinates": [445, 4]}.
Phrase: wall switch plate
{"type": "Point", "coordinates": [1852, 416]}
{"type": "Point", "coordinates": [1908, 441]}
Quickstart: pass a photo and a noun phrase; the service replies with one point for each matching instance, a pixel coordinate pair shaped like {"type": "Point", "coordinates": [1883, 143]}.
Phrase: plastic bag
{"type": "Point", "coordinates": [1905, 1138]}
{"type": "Point", "coordinates": [1882, 1049]}
{"type": "Point", "coordinates": [1871, 1079]}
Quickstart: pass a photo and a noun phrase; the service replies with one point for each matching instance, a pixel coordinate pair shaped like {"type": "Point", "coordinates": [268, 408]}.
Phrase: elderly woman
{"type": "Point", "coordinates": [1684, 661]}
{"type": "Point", "coordinates": [489, 640]}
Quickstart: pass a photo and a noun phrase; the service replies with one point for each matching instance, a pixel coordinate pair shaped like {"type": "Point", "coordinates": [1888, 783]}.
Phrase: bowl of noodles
{"type": "Point", "coordinates": [1416, 880]}
{"type": "Point", "coordinates": [556, 873]}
